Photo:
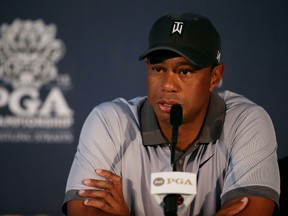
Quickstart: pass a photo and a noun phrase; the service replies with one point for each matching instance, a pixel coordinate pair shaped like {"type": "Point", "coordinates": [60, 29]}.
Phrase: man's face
{"type": "Point", "coordinates": [176, 81]}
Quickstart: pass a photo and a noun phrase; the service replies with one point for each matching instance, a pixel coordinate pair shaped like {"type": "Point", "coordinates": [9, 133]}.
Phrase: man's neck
{"type": "Point", "coordinates": [187, 134]}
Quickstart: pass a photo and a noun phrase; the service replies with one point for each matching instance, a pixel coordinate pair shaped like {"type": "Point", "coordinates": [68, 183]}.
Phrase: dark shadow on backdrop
{"type": "Point", "coordinates": [283, 165]}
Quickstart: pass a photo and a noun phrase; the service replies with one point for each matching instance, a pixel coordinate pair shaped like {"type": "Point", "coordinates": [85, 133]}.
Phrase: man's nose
{"type": "Point", "coordinates": [170, 82]}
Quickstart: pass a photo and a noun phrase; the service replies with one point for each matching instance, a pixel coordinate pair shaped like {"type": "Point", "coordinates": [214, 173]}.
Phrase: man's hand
{"type": "Point", "coordinates": [233, 208]}
{"type": "Point", "coordinates": [108, 196]}
{"type": "Point", "coordinates": [248, 206]}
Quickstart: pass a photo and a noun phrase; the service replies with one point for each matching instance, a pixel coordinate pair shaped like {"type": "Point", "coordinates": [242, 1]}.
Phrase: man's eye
{"type": "Point", "coordinates": [157, 69]}
{"type": "Point", "coordinates": [186, 72]}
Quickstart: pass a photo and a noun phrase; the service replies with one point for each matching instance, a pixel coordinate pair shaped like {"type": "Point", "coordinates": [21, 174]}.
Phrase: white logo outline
{"type": "Point", "coordinates": [177, 27]}
{"type": "Point", "coordinates": [29, 52]}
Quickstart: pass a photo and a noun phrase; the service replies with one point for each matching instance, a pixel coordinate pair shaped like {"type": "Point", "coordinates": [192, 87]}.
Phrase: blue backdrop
{"type": "Point", "coordinates": [92, 57]}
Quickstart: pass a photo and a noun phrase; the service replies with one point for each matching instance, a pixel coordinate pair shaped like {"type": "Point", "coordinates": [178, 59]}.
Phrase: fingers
{"type": "Point", "coordinates": [100, 195]}
{"type": "Point", "coordinates": [97, 198]}
{"type": "Point", "coordinates": [108, 175]}
{"type": "Point", "coordinates": [107, 194]}
{"type": "Point", "coordinates": [233, 207]}
{"type": "Point", "coordinates": [103, 184]}
{"type": "Point", "coordinates": [238, 207]}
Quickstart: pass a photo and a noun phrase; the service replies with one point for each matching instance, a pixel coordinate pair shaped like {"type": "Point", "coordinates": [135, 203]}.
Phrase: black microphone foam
{"type": "Point", "coordinates": [176, 115]}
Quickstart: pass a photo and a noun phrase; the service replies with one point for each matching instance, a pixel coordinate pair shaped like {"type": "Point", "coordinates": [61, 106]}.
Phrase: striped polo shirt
{"type": "Point", "coordinates": [234, 156]}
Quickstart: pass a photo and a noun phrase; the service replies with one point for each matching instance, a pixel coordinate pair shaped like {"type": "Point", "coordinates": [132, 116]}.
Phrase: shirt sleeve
{"type": "Point", "coordinates": [100, 146]}
{"type": "Point", "coordinates": [252, 168]}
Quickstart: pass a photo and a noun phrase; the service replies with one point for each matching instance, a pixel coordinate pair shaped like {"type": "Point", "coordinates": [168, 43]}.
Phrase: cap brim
{"type": "Point", "coordinates": [192, 56]}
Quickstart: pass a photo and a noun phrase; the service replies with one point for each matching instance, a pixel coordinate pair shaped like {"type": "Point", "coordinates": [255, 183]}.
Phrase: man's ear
{"type": "Point", "coordinates": [217, 74]}
{"type": "Point", "coordinates": [147, 63]}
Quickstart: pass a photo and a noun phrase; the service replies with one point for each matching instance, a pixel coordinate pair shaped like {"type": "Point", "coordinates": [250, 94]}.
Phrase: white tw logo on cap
{"type": "Point", "coordinates": [177, 27]}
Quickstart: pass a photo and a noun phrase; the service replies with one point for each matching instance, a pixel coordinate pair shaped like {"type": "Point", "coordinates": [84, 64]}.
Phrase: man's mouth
{"type": "Point", "coordinates": [165, 107]}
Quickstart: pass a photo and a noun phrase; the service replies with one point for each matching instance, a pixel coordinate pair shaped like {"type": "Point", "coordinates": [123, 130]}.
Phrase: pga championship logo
{"type": "Point", "coordinates": [182, 183]}
{"type": "Point", "coordinates": [33, 107]}
{"type": "Point", "coordinates": [177, 181]}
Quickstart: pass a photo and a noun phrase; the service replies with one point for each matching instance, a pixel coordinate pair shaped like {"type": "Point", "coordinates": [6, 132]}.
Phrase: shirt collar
{"type": "Point", "coordinates": [210, 132]}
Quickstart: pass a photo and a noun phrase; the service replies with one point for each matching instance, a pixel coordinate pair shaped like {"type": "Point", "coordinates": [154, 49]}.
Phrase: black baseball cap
{"type": "Point", "coordinates": [190, 35]}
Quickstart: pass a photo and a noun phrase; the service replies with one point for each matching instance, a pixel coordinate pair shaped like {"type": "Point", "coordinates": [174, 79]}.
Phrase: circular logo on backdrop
{"type": "Point", "coordinates": [28, 53]}
{"type": "Point", "coordinates": [32, 103]}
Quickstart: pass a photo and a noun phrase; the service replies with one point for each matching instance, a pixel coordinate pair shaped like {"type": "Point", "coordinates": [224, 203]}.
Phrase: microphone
{"type": "Point", "coordinates": [176, 113]}
{"type": "Point", "coordinates": [173, 190]}
{"type": "Point", "coordinates": [175, 120]}
{"type": "Point", "coordinates": [171, 200]}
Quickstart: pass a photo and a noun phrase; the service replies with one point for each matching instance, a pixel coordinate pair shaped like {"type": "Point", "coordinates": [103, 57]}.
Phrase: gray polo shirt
{"type": "Point", "coordinates": [234, 156]}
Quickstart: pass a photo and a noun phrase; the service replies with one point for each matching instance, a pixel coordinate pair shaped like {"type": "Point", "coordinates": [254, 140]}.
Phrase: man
{"type": "Point", "coordinates": [227, 140]}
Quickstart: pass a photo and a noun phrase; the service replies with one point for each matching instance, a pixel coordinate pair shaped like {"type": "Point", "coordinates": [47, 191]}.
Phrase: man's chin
{"type": "Point", "coordinates": [163, 118]}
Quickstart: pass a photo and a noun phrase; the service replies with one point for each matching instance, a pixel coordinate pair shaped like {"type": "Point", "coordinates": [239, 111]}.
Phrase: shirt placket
{"type": "Point", "coordinates": [181, 163]}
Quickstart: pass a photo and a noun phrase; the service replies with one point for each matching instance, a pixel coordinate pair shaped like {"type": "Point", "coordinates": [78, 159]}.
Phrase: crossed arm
{"type": "Point", "coordinates": [110, 201]}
